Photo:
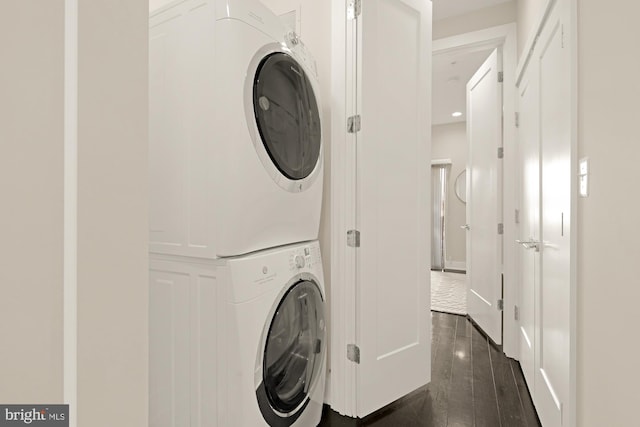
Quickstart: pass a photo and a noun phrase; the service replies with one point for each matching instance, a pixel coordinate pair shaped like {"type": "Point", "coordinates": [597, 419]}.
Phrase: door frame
{"type": "Point", "coordinates": [341, 385]}
{"type": "Point", "coordinates": [503, 36]}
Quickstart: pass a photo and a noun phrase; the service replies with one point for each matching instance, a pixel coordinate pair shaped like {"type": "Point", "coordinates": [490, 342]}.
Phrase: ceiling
{"type": "Point", "coordinates": [447, 8]}
{"type": "Point", "coordinates": [451, 72]}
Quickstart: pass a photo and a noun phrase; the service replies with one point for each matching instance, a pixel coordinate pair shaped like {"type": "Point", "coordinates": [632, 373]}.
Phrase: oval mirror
{"type": "Point", "coordinates": [461, 186]}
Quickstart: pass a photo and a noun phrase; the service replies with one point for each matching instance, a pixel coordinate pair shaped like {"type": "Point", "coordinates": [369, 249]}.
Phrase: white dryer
{"type": "Point", "coordinates": [236, 152]}
{"type": "Point", "coordinates": [238, 341]}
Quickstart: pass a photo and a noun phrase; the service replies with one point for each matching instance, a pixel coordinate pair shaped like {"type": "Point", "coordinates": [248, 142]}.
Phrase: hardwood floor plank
{"type": "Point", "coordinates": [461, 411]}
{"type": "Point", "coordinates": [437, 406]}
{"type": "Point", "coordinates": [509, 405]}
{"type": "Point", "coordinates": [443, 321]}
{"type": "Point", "coordinates": [464, 328]}
{"type": "Point", "coordinates": [484, 390]}
{"type": "Point", "coordinates": [528, 409]}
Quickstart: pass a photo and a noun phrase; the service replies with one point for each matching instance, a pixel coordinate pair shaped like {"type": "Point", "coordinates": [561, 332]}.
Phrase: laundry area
{"type": "Point", "coordinates": [318, 213]}
{"type": "Point", "coordinates": [237, 298]}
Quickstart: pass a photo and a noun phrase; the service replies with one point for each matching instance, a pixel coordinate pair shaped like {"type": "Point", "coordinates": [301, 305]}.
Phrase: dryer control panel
{"type": "Point", "coordinates": [306, 257]}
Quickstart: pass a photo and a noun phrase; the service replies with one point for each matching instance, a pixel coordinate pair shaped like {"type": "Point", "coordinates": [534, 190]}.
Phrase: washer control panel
{"type": "Point", "coordinates": [306, 256]}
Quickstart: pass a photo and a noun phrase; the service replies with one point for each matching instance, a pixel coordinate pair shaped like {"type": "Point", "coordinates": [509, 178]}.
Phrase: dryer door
{"type": "Point", "coordinates": [287, 118]}
{"type": "Point", "coordinates": [293, 354]}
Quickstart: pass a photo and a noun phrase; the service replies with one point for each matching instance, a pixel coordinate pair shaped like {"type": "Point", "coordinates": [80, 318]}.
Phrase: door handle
{"type": "Point", "coordinates": [530, 244]}
{"type": "Point", "coordinates": [466, 227]}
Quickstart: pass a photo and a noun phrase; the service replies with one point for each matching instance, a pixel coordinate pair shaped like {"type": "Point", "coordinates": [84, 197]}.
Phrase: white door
{"type": "Point", "coordinates": [484, 184]}
{"type": "Point", "coordinates": [529, 239]}
{"type": "Point", "coordinates": [393, 175]}
{"type": "Point", "coordinates": [545, 141]}
{"type": "Point", "coordinates": [553, 311]}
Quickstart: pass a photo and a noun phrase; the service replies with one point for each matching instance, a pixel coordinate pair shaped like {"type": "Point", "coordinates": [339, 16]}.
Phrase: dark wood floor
{"type": "Point", "coordinates": [473, 384]}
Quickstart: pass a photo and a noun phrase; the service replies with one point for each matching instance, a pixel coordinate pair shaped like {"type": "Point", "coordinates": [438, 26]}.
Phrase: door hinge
{"type": "Point", "coordinates": [500, 152]}
{"type": "Point", "coordinates": [353, 353]}
{"type": "Point", "coordinates": [517, 216]}
{"type": "Point", "coordinates": [354, 9]}
{"type": "Point", "coordinates": [353, 238]}
{"type": "Point", "coordinates": [500, 76]}
{"type": "Point", "coordinates": [501, 228]}
{"type": "Point", "coordinates": [500, 304]}
{"type": "Point", "coordinates": [562, 37]}
{"type": "Point", "coordinates": [516, 313]}
{"type": "Point", "coordinates": [517, 119]}
{"type": "Point", "coordinates": [353, 124]}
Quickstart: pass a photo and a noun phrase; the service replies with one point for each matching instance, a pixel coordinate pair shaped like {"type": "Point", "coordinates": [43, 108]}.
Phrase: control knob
{"type": "Point", "coordinates": [299, 261]}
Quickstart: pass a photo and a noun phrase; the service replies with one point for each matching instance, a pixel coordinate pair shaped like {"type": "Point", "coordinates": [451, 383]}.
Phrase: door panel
{"type": "Point", "coordinates": [393, 179]}
{"type": "Point", "coordinates": [530, 219]}
{"type": "Point", "coordinates": [552, 384]}
{"type": "Point", "coordinates": [484, 134]}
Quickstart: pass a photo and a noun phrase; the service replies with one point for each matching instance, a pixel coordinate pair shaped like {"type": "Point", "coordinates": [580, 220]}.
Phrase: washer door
{"type": "Point", "coordinates": [293, 354]}
{"type": "Point", "coordinates": [287, 117]}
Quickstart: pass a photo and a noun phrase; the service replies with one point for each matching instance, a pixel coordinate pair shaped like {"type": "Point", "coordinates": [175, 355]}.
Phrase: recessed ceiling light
{"type": "Point", "coordinates": [457, 114]}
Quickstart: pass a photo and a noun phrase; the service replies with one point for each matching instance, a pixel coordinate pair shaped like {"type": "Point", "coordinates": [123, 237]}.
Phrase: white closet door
{"type": "Point", "coordinates": [553, 309]}
{"type": "Point", "coordinates": [545, 143]}
{"type": "Point", "coordinates": [393, 176]}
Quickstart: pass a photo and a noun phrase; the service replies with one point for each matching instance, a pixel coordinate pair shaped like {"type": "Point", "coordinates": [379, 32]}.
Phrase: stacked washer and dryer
{"type": "Point", "coordinates": [237, 328]}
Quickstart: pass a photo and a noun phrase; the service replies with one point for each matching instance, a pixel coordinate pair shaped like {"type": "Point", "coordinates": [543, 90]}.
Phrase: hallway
{"type": "Point", "coordinates": [473, 384]}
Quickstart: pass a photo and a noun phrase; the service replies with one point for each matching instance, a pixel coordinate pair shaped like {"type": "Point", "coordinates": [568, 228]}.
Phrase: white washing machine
{"type": "Point", "coordinates": [236, 152]}
{"type": "Point", "coordinates": [238, 341]}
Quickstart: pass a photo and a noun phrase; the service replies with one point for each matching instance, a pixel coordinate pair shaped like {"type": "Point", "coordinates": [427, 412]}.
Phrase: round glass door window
{"type": "Point", "coordinates": [287, 117]}
{"type": "Point", "coordinates": [294, 349]}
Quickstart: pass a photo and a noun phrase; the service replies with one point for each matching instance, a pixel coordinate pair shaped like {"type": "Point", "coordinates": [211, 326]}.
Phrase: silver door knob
{"type": "Point", "coordinates": [530, 244]}
{"type": "Point", "coordinates": [466, 227]}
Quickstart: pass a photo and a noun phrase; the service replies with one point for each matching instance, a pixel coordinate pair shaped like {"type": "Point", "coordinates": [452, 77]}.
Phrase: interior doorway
{"type": "Point", "coordinates": [449, 164]}
{"type": "Point", "coordinates": [456, 60]}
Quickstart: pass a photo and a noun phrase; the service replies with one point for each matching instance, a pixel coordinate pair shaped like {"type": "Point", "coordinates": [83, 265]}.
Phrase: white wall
{"type": "Point", "coordinates": [504, 13]}
{"type": "Point", "coordinates": [31, 216]}
{"type": "Point", "coordinates": [608, 233]}
{"type": "Point", "coordinates": [112, 289]}
{"type": "Point", "coordinates": [449, 141]}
